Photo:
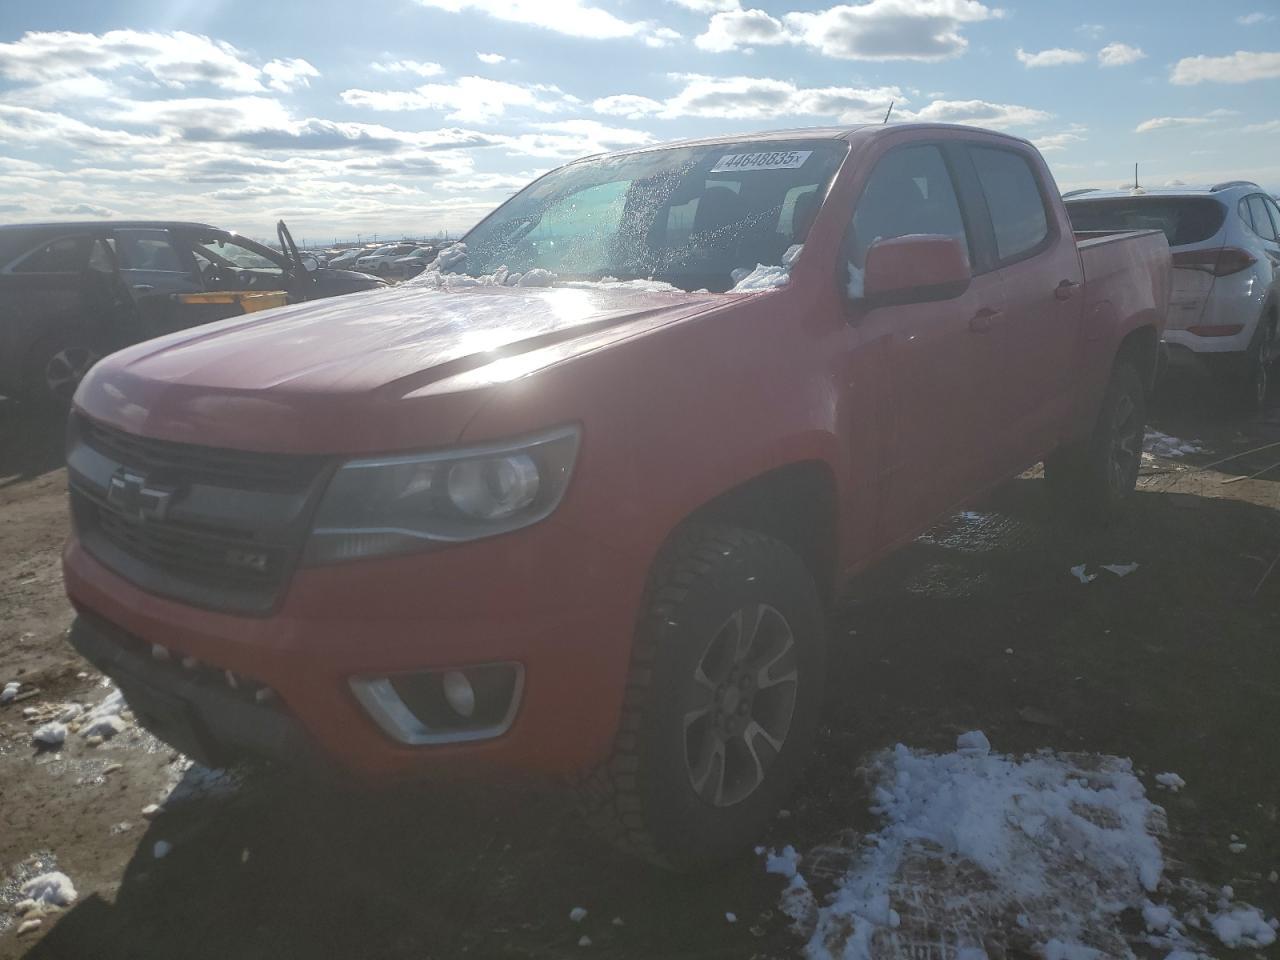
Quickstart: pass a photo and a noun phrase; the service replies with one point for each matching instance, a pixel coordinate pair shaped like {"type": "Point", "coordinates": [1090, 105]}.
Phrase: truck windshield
{"type": "Point", "coordinates": [688, 216]}
{"type": "Point", "coordinates": [1183, 219]}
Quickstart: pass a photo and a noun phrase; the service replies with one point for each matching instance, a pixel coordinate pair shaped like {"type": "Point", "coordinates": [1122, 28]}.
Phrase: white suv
{"type": "Point", "coordinates": [1224, 309]}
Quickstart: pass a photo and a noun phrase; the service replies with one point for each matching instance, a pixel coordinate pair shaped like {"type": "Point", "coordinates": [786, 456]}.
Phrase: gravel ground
{"type": "Point", "coordinates": [979, 625]}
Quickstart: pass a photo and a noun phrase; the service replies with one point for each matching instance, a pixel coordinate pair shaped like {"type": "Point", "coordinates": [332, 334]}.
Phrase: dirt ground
{"type": "Point", "coordinates": [979, 625]}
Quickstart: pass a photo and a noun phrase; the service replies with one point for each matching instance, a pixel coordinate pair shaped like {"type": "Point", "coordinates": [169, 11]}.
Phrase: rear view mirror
{"type": "Point", "coordinates": [914, 269]}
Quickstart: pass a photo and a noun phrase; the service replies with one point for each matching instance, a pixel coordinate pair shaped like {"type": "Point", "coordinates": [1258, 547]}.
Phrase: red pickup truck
{"type": "Point", "coordinates": [574, 501]}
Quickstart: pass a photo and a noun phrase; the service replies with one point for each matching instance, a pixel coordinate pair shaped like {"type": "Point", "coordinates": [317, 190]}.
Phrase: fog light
{"type": "Point", "coordinates": [444, 706]}
{"type": "Point", "coordinates": [459, 693]}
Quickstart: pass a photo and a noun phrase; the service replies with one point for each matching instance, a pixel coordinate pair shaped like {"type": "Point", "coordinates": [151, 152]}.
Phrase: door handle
{"type": "Point", "coordinates": [1065, 289]}
{"type": "Point", "coordinates": [143, 287]}
{"type": "Point", "coordinates": [981, 321]}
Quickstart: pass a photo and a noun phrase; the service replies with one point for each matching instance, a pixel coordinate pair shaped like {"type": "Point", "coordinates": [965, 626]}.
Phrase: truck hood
{"type": "Point", "coordinates": [363, 372]}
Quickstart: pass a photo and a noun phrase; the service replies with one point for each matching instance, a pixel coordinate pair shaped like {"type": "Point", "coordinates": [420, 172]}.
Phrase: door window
{"type": "Point", "coordinates": [1261, 219]}
{"type": "Point", "coordinates": [1018, 214]}
{"type": "Point", "coordinates": [1275, 214]}
{"type": "Point", "coordinates": [910, 191]}
{"type": "Point", "coordinates": [151, 250]}
{"type": "Point", "coordinates": [226, 263]}
{"type": "Point", "coordinates": [64, 255]}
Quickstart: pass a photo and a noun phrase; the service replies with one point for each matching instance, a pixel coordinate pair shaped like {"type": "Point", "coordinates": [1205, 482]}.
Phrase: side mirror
{"type": "Point", "coordinates": [914, 269]}
{"type": "Point", "coordinates": [309, 263]}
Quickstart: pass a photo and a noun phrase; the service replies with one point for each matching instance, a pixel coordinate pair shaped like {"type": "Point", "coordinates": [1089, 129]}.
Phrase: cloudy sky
{"type": "Point", "coordinates": [412, 116]}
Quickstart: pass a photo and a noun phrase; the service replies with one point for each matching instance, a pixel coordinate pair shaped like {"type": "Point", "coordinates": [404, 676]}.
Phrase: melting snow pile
{"type": "Point", "coordinates": [444, 273]}
{"type": "Point", "coordinates": [49, 890]}
{"type": "Point", "coordinates": [1036, 855]}
{"type": "Point", "coordinates": [765, 278]}
{"type": "Point", "coordinates": [104, 720]}
{"type": "Point", "coordinates": [1163, 445]}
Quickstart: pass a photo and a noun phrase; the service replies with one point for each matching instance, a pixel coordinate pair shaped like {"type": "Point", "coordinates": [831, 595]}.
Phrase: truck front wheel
{"type": "Point", "coordinates": [722, 701]}
{"type": "Point", "coordinates": [1099, 477]}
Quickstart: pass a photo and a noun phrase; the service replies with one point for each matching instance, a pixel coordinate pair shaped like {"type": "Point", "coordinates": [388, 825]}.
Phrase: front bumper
{"type": "Point", "coordinates": [560, 604]}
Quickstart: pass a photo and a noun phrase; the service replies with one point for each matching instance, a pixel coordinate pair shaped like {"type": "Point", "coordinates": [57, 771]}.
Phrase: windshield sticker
{"type": "Point", "coordinates": [778, 160]}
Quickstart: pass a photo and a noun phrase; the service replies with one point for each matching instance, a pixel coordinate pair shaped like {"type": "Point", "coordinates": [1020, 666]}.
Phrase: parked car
{"type": "Point", "coordinates": [403, 268]}
{"type": "Point", "coordinates": [573, 502]}
{"type": "Point", "coordinates": [346, 259]}
{"type": "Point", "coordinates": [72, 292]}
{"type": "Point", "coordinates": [379, 261]}
{"type": "Point", "coordinates": [1224, 314]}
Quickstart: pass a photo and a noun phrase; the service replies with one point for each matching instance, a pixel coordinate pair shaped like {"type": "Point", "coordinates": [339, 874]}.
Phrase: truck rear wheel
{"type": "Point", "coordinates": [721, 705]}
{"type": "Point", "coordinates": [1097, 478]}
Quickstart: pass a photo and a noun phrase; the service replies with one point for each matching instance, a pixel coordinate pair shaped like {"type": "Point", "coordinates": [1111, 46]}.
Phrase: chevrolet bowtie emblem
{"type": "Point", "coordinates": [131, 494]}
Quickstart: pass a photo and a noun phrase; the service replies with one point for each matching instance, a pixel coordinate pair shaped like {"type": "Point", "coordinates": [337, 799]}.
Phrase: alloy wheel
{"type": "Point", "coordinates": [1126, 442]}
{"type": "Point", "coordinates": [65, 369]}
{"type": "Point", "coordinates": [740, 705]}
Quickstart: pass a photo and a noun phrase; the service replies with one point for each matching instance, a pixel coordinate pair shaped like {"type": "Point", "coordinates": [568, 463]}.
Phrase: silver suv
{"type": "Point", "coordinates": [1225, 305]}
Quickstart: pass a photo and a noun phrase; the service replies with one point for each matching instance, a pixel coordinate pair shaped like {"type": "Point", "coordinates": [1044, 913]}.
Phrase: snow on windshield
{"type": "Point", "coordinates": [712, 217]}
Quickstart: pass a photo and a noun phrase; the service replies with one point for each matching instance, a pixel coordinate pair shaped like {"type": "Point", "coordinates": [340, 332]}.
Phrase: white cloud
{"type": "Point", "coordinates": [1165, 123]}
{"type": "Point", "coordinates": [1060, 141]}
{"type": "Point", "coordinates": [1255, 18]}
{"type": "Point", "coordinates": [1119, 55]}
{"type": "Point", "coordinates": [744, 98]}
{"type": "Point", "coordinates": [1239, 67]}
{"type": "Point", "coordinates": [177, 59]}
{"type": "Point", "coordinates": [420, 67]}
{"type": "Point", "coordinates": [741, 28]}
{"type": "Point", "coordinates": [627, 105]}
{"type": "Point", "coordinates": [1054, 57]}
{"type": "Point", "coordinates": [980, 113]}
{"type": "Point", "coordinates": [890, 29]}
{"type": "Point", "coordinates": [491, 58]}
{"type": "Point", "coordinates": [1267, 126]}
{"type": "Point", "coordinates": [467, 100]}
{"type": "Point", "coordinates": [286, 75]}
{"type": "Point", "coordinates": [1091, 30]}
{"type": "Point", "coordinates": [21, 126]}
{"type": "Point", "coordinates": [707, 6]}
{"type": "Point", "coordinates": [662, 37]}
{"type": "Point", "coordinates": [567, 139]}
{"type": "Point", "coordinates": [576, 18]}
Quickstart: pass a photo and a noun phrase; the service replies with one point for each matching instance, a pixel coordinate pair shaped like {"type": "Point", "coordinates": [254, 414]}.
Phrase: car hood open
{"type": "Point", "coordinates": [356, 373]}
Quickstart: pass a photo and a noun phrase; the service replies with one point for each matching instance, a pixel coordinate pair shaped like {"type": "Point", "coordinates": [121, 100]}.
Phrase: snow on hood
{"type": "Point", "coordinates": [1041, 854]}
{"type": "Point", "coordinates": [443, 274]}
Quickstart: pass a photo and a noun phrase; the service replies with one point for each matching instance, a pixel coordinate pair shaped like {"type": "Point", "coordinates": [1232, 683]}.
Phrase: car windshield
{"type": "Point", "coordinates": [1184, 220]}
{"type": "Point", "coordinates": [688, 216]}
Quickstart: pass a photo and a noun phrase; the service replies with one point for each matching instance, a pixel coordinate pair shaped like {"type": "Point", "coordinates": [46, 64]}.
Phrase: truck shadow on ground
{"type": "Point", "coordinates": [979, 625]}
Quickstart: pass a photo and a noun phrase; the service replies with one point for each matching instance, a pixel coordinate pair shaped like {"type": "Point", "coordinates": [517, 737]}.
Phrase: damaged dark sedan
{"type": "Point", "coordinates": [70, 293]}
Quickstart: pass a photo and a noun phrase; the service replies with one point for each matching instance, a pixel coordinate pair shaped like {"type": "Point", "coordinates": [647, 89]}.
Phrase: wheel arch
{"type": "Point", "coordinates": [795, 503]}
{"type": "Point", "coordinates": [1141, 347]}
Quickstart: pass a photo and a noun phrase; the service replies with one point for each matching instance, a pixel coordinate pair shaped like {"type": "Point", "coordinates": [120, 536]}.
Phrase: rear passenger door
{"type": "Point", "coordinates": [1035, 256]}
{"type": "Point", "coordinates": [154, 268]}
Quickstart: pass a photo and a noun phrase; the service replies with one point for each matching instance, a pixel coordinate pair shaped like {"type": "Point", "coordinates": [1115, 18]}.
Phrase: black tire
{"type": "Point", "coordinates": [1257, 381]}
{"type": "Point", "coordinates": [54, 368]}
{"type": "Point", "coordinates": [643, 798]}
{"type": "Point", "coordinates": [1095, 480]}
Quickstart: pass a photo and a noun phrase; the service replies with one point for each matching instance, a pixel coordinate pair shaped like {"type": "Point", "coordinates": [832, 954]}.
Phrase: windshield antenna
{"type": "Point", "coordinates": [887, 112]}
{"type": "Point", "coordinates": [1135, 176]}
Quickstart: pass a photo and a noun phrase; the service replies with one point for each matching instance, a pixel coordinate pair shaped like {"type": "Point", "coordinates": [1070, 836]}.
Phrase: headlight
{"type": "Point", "coordinates": [394, 505]}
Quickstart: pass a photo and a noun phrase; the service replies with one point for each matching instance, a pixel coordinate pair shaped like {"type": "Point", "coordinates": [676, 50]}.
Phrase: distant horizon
{"type": "Point", "coordinates": [429, 115]}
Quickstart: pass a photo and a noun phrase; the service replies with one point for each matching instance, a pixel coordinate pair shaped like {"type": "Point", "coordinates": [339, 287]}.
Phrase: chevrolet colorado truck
{"type": "Point", "coordinates": [573, 502]}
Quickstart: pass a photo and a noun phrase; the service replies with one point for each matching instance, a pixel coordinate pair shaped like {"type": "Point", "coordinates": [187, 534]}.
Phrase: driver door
{"type": "Point", "coordinates": [228, 267]}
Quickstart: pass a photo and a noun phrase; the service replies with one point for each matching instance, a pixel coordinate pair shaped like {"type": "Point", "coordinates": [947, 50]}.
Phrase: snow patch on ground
{"type": "Point", "coordinates": [50, 734]}
{"type": "Point", "coordinates": [1170, 781]}
{"type": "Point", "coordinates": [765, 277]}
{"type": "Point", "coordinates": [50, 890]}
{"type": "Point", "coordinates": [10, 691]}
{"type": "Point", "coordinates": [1043, 852]}
{"type": "Point", "coordinates": [1079, 574]}
{"type": "Point", "coordinates": [1164, 445]}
